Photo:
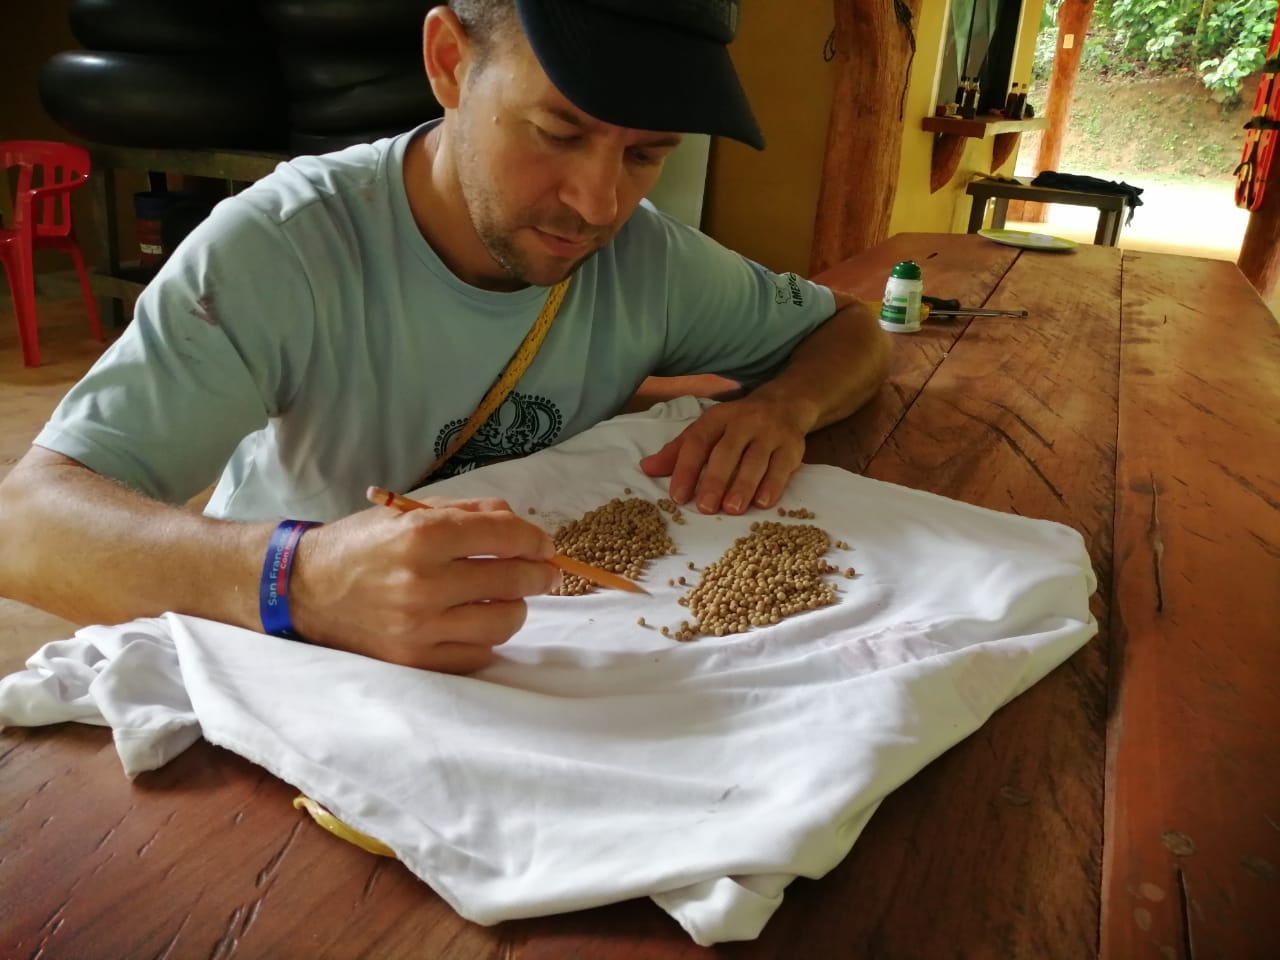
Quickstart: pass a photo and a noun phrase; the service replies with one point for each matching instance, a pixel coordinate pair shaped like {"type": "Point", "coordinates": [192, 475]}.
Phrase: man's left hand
{"type": "Point", "coordinates": [736, 455]}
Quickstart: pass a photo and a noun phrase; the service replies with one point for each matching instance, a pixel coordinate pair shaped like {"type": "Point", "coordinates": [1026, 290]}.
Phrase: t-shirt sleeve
{"type": "Point", "coordinates": [214, 350]}
{"type": "Point", "coordinates": [729, 315]}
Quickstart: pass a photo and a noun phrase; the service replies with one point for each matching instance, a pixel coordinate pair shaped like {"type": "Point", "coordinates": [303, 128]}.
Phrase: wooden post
{"type": "Point", "coordinates": [864, 134]}
{"type": "Point", "coordinates": [1073, 24]}
{"type": "Point", "coordinates": [1260, 249]}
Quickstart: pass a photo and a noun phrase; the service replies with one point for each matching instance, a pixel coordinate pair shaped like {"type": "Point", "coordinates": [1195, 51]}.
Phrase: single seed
{"type": "Point", "coordinates": [640, 622]}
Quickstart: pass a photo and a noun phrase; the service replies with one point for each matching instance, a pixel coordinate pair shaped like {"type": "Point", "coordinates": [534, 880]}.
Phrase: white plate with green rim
{"type": "Point", "coordinates": [1028, 240]}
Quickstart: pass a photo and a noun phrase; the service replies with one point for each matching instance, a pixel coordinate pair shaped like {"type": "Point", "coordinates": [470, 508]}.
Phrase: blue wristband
{"type": "Point", "coordinates": [273, 591]}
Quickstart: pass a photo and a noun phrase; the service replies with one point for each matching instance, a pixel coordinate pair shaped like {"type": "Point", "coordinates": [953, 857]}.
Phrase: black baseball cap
{"type": "Point", "coordinates": [647, 64]}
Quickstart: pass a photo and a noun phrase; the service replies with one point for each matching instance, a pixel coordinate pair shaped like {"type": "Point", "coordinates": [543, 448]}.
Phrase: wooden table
{"type": "Point", "coordinates": [1126, 806]}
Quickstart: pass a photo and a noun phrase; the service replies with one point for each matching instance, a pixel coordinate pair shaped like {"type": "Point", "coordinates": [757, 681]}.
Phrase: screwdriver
{"type": "Point", "coordinates": [938, 307]}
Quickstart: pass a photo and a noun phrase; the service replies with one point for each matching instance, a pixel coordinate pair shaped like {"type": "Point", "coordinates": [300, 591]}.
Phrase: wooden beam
{"type": "Point", "coordinates": [1073, 24]}
{"type": "Point", "coordinates": [864, 134]}
{"type": "Point", "coordinates": [1260, 249]}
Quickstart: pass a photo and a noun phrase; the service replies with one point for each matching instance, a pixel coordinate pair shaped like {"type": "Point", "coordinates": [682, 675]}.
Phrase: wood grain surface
{"type": "Point", "coordinates": [1193, 799]}
{"type": "Point", "coordinates": [1007, 828]}
{"type": "Point", "coordinates": [960, 267]}
{"type": "Point", "coordinates": [1126, 805]}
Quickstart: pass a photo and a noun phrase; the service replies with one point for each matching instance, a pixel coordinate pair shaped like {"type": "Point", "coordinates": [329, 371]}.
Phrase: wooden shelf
{"type": "Point", "coordinates": [952, 133]}
{"type": "Point", "coordinates": [118, 281]}
{"type": "Point", "coordinates": [982, 127]}
{"type": "Point", "coordinates": [243, 166]}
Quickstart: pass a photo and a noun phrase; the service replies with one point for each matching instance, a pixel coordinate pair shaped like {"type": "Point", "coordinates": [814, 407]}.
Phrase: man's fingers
{"type": "Point", "coordinates": [471, 504]}
{"type": "Point", "coordinates": [724, 461]}
{"type": "Point", "coordinates": [481, 624]}
{"type": "Point", "coordinates": [459, 639]}
{"type": "Point", "coordinates": [452, 658]}
{"type": "Point", "coordinates": [449, 534]}
{"type": "Point", "coordinates": [661, 464]}
{"type": "Point", "coordinates": [752, 468]}
{"type": "Point", "coordinates": [486, 578]}
{"type": "Point", "coordinates": [696, 443]}
{"type": "Point", "coordinates": [782, 464]}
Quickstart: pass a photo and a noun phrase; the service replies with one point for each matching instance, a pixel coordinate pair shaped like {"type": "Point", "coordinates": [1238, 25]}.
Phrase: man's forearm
{"type": "Point", "coordinates": [836, 369]}
{"type": "Point", "coordinates": [88, 549]}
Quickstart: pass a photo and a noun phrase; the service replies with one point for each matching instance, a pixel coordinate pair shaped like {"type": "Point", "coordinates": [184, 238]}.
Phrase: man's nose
{"type": "Point", "coordinates": [591, 187]}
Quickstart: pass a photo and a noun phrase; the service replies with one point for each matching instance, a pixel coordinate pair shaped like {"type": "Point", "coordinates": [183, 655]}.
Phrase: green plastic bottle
{"type": "Point", "coordinates": [900, 309]}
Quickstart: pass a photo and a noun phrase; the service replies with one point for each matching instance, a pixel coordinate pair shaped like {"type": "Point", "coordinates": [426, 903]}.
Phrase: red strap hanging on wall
{"type": "Point", "coordinates": [1261, 131]}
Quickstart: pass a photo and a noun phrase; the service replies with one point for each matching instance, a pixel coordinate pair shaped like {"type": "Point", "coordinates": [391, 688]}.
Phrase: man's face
{"type": "Point", "coordinates": [545, 185]}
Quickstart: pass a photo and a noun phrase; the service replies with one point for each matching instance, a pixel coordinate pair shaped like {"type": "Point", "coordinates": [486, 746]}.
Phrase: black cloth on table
{"type": "Point", "coordinates": [1085, 184]}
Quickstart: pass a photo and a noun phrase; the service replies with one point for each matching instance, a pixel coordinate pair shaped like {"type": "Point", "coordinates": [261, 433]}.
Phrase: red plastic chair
{"type": "Point", "coordinates": [42, 218]}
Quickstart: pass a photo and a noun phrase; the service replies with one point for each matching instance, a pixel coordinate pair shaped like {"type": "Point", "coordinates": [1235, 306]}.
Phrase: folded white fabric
{"type": "Point", "coordinates": [599, 760]}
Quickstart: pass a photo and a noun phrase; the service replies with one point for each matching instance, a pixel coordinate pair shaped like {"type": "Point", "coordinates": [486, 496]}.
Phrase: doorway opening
{"type": "Point", "coordinates": [1147, 110]}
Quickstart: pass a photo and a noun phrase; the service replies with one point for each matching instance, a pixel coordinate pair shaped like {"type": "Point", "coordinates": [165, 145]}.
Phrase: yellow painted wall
{"type": "Point", "coordinates": [915, 209]}
{"type": "Point", "coordinates": [762, 203]}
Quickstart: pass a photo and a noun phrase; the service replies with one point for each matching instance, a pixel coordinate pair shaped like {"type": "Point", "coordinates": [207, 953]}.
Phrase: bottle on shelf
{"type": "Point", "coordinates": [1011, 103]}
{"type": "Point", "coordinates": [969, 104]}
{"type": "Point", "coordinates": [1020, 103]}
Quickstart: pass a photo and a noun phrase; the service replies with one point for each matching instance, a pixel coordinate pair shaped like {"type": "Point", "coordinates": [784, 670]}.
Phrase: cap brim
{"type": "Point", "coordinates": [638, 73]}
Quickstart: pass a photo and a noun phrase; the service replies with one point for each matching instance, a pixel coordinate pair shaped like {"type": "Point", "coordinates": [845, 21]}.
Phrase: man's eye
{"type": "Point", "coordinates": [643, 158]}
{"type": "Point", "coordinates": [557, 138]}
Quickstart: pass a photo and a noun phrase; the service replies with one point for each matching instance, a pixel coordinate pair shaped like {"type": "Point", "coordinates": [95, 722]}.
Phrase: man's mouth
{"type": "Point", "coordinates": [567, 247]}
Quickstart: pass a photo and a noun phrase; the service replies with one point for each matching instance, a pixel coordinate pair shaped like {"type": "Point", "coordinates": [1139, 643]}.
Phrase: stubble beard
{"type": "Point", "coordinates": [498, 233]}
{"type": "Point", "coordinates": [517, 264]}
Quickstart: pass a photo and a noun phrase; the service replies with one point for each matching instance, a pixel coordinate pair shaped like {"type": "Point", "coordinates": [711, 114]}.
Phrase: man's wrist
{"type": "Point", "coordinates": [804, 412]}
{"type": "Point", "coordinates": [274, 584]}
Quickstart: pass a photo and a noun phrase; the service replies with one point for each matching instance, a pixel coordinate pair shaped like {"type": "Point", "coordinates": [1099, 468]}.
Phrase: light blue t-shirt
{"type": "Point", "coordinates": [306, 342]}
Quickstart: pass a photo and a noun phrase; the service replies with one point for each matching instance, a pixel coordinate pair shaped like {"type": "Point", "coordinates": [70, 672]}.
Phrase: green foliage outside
{"type": "Point", "coordinates": [1223, 42]}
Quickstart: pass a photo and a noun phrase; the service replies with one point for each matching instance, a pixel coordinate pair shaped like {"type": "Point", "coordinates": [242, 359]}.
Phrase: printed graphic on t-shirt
{"type": "Point", "coordinates": [786, 287]}
{"type": "Point", "coordinates": [523, 424]}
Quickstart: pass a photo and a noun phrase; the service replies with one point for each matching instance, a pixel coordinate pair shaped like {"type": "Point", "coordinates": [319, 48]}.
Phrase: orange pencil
{"type": "Point", "coordinates": [386, 498]}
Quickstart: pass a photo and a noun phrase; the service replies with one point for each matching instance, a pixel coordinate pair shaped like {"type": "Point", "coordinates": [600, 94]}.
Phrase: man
{"type": "Point", "coordinates": [337, 324]}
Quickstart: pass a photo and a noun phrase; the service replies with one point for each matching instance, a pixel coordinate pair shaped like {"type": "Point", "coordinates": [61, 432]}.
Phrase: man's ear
{"type": "Point", "coordinates": [445, 53]}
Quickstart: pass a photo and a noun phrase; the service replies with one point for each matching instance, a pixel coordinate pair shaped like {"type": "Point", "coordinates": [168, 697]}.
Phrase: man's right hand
{"type": "Point", "coordinates": [436, 589]}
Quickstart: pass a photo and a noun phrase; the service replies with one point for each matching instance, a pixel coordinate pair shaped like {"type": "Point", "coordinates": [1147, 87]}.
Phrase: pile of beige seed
{"type": "Point", "coordinates": [773, 573]}
{"type": "Point", "coordinates": [621, 536]}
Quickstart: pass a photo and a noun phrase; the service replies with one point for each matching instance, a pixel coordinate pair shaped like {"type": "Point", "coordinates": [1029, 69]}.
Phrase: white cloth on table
{"type": "Point", "coordinates": [599, 760]}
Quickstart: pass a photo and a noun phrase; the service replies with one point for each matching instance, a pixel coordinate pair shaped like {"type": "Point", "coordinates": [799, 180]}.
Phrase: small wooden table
{"type": "Point", "coordinates": [119, 281]}
{"type": "Point", "coordinates": [1111, 206]}
{"type": "Point", "coordinates": [1127, 806]}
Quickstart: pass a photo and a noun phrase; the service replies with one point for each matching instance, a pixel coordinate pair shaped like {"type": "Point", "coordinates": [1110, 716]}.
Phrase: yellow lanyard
{"type": "Point", "coordinates": [506, 381]}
